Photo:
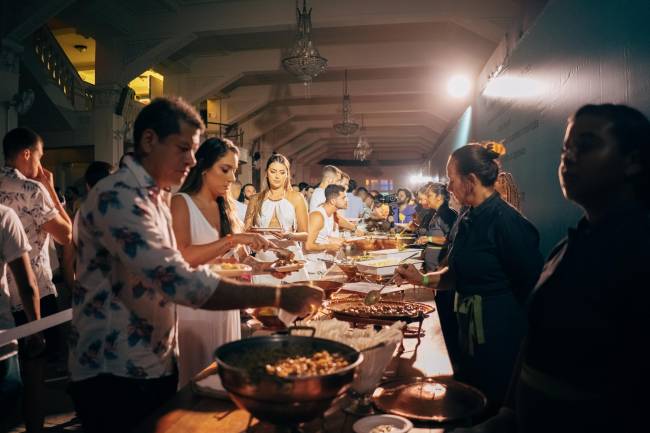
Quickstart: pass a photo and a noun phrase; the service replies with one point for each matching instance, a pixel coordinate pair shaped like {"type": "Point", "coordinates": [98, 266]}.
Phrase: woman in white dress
{"type": "Point", "coordinates": [207, 228]}
{"type": "Point", "coordinates": [279, 206]}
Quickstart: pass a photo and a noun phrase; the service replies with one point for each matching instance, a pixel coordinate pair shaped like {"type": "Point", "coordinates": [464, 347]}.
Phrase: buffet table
{"type": "Point", "coordinates": [187, 412]}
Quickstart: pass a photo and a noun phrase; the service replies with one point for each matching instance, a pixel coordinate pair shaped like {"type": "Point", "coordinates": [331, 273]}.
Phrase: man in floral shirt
{"type": "Point", "coordinates": [28, 188]}
{"type": "Point", "coordinates": [130, 276]}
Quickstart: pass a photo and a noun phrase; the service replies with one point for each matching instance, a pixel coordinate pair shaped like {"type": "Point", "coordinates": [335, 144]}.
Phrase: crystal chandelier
{"type": "Point", "coordinates": [363, 149]}
{"type": "Point", "coordinates": [304, 61]}
{"type": "Point", "coordinates": [346, 126]}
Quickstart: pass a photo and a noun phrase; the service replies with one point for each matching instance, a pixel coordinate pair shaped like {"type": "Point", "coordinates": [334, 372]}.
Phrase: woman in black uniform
{"type": "Point", "coordinates": [494, 262]}
{"type": "Point", "coordinates": [583, 367]}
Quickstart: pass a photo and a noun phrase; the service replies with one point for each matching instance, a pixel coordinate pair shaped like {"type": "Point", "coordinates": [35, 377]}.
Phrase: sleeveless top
{"type": "Point", "coordinates": [201, 331]}
{"type": "Point", "coordinates": [283, 209]}
{"type": "Point", "coordinates": [329, 229]}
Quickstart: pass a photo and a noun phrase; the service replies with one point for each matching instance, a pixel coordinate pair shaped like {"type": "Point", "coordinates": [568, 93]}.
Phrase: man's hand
{"type": "Point", "coordinates": [45, 177]}
{"type": "Point", "coordinates": [301, 299]}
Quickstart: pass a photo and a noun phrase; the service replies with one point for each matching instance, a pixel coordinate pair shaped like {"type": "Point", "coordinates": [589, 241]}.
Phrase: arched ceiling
{"type": "Point", "coordinates": [399, 56]}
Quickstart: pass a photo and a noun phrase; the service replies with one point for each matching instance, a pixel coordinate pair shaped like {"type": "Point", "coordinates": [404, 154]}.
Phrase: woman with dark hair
{"type": "Point", "coordinates": [206, 228]}
{"type": "Point", "coordinates": [494, 262]}
{"type": "Point", "coordinates": [582, 360]}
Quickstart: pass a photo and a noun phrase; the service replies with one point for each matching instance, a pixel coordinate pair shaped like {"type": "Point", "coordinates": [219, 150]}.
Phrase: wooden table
{"type": "Point", "coordinates": [187, 412]}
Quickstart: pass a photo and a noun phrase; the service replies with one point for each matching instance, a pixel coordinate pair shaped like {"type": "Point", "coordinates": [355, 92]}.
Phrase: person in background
{"type": "Point", "coordinates": [306, 190]}
{"type": "Point", "coordinates": [403, 210]}
{"type": "Point", "coordinates": [355, 203]}
{"type": "Point", "coordinates": [72, 197]}
{"type": "Point", "coordinates": [14, 249]}
{"type": "Point", "coordinates": [582, 359]}
{"type": "Point", "coordinates": [295, 187]}
{"type": "Point", "coordinates": [331, 175]}
{"type": "Point", "coordinates": [494, 262]}
{"type": "Point", "coordinates": [96, 171]}
{"type": "Point", "coordinates": [28, 188]}
{"type": "Point", "coordinates": [207, 229]}
{"type": "Point", "coordinates": [131, 276]}
{"type": "Point", "coordinates": [247, 192]}
{"type": "Point", "coordinates": [323, 226]}
{"type": "Point", "coordinates": [235, 193]}
{"type": "Point", "coordinates": [433, 233]}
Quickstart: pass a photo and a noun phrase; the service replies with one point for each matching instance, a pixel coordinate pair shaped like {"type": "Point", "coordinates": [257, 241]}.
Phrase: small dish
{"type": "Point", "coordinates": [390, 424]}
{"type": "Point", "coordinates": [294, 266]}
{"type": "Point", "coordinates": [231, 269]}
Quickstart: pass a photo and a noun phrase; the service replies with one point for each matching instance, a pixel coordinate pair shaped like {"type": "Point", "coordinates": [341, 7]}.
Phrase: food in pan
{"type": "Point", "coordinates": [382, 309]}
{"type": "Point", "coordinates": [318, 364]}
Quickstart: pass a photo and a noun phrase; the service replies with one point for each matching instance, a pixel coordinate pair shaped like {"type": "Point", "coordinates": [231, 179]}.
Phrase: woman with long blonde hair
{"type": "Point", "coordinates": [279, 206]}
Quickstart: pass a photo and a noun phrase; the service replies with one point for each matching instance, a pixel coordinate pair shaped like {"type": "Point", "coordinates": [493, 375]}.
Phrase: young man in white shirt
{"type": "Point", "coordinates": [331, 175]}
{"type": "Point", "coordinates": [14, 249]}
{"type": "Point", "coordinates": [28, 188]}
{"type": "Point", "coordinates": [130, 275]}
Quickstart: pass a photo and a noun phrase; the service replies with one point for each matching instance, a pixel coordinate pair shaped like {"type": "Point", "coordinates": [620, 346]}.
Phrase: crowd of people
{"type": "Point", "coordinates": [535, 337]}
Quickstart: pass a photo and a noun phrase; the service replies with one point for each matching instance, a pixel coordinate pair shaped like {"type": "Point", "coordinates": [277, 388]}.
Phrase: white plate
{"type": "Point", "coordinates": [265, 230]}
{"type": "Point", "coordinates": [240, 270]}
{"type": "Point", "coordinates": [289, 268]}
{"type": "Point", "coordinates": [364, 287]}
{"type": "Point", "coordinates": [385, 266]}
{"type": "Point", "coordinates": [366, 425]}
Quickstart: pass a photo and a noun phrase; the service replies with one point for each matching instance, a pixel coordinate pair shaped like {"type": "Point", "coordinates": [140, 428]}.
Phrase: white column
{"type": "Point", "coordinates": [9, 75]}
{"type": "Point", "coordinates": [108, 128]}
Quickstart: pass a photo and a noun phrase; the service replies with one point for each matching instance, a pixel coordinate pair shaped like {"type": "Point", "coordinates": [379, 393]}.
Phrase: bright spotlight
{"type": "Point", "coordinates": [459, 86]}
{"type": "Point", "coordinates": [513, 87]}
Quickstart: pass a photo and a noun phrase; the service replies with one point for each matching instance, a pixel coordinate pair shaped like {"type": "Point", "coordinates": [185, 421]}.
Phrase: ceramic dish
{"type": "Point", "coordinates": [382, 424]}
{"type": "Point", "coordinates": [231, 269]}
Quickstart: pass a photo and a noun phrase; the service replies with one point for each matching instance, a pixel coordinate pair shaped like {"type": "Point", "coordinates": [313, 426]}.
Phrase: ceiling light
{"type": "Point", "coordinates": [459, 86]}
{"type": "Point", "coordinates": [81, 48]}
{"type": "Point", "coordinates": [346, 126]}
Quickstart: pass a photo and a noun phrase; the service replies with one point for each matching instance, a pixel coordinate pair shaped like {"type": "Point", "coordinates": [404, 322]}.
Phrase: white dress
{"type": "Point", "coordinates": [286, 215]}
{"type": "Point", "coordinates": [200, 332]}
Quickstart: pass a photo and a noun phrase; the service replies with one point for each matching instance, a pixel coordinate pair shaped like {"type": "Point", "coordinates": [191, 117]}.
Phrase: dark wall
{"type": "Point", "coordinates": [577, 52]}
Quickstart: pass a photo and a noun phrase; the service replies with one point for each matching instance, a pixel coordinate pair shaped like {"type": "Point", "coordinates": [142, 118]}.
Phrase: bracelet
{"type": "Point", "coordinates": [425, 280]}
{"type": "Point", "coordinates": [278, 295]}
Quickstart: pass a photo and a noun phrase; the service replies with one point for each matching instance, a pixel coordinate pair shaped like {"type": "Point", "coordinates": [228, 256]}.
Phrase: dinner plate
{"type": "Point", "coordinates": [231, 269]}
{"type": "Point", "coordinates": [292, 267]}
{"type": "Point", "coordinates": [265, 230]}
{"type": "Point", "coordinates": [437, 399]}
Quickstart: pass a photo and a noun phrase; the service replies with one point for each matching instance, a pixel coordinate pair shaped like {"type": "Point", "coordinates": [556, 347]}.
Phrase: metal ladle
{"type": "Point", "coordinates": [373, 296]}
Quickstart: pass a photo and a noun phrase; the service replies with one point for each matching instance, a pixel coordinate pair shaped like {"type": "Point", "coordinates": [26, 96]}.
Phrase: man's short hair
{"type": "Point", "coordinates": [362, 188]}
{"type": "Point", "coordinates": [163, 116]}
{"type": "Point", "coordinates": [303, 186]}
{"type": "Point", "coordinates": [352, 185]}
{"type": "Point", "coordinates": [17, 140]}
{"type": "Point", "coordinates": [331, 172]}
{"type": "Point", "coordinates": [96, 171]}
{"type": "Point", "coordinates": [333, 191]}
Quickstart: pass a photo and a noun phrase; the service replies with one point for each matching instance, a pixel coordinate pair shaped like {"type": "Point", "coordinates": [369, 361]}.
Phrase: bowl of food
{"type": "Point", "coordinates": [329, 287]}
{"type": "Point", "coordinates": [232, 270]}
{"type": "Point", "coordinates": [269, 318]}
{"type": "Point", "coordinates": [286, 379]}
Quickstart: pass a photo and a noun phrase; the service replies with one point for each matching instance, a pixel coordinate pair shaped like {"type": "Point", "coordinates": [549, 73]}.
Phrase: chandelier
{"type": "Point", "coordinates": [363, 149]}
{"type": "Point", "coordinates": [346, 126]}
{"type": "Point", "coordinates": [304, 61]}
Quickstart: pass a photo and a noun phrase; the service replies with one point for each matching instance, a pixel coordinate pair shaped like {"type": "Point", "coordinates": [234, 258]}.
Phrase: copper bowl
{"type": "Point", "coordinates": [329, 287]}
{"type": "Point", "coordinates": [283, 401]}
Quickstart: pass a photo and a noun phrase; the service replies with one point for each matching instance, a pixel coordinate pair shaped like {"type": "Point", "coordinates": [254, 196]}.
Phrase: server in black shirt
{"type": "Point", "coordinates": [584, 367]}
{"type": "Point", "coordinates": [494, 262]}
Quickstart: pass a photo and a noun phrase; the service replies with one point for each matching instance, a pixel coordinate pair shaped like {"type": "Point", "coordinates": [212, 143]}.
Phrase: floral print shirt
{"type": "Point", "coordinates": [130, 276]}
{"type": "Point", "coordinates": [33, 205]}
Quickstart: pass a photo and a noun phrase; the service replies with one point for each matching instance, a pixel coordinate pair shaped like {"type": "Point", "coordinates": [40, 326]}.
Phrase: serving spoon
{"type": "Point", "coordinates": [373, 296]}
